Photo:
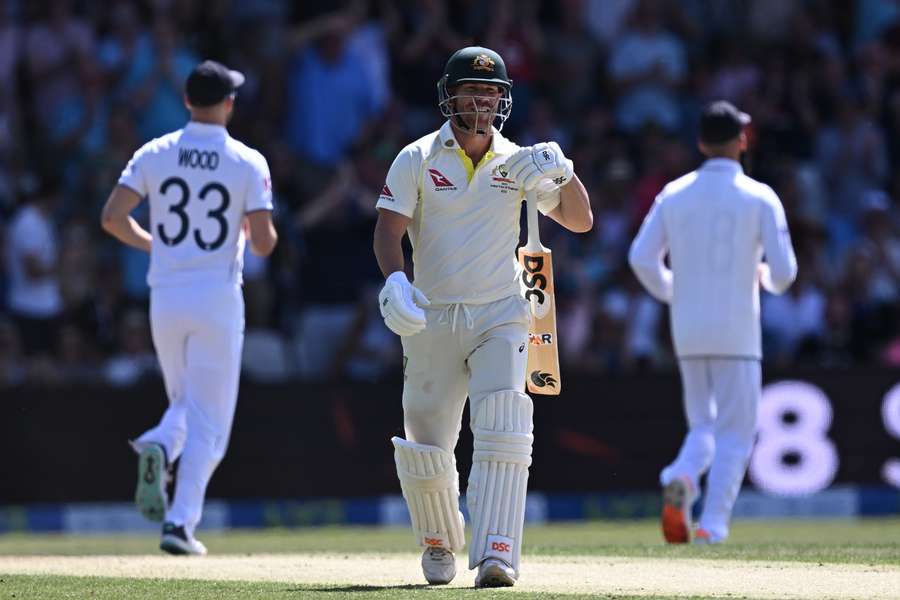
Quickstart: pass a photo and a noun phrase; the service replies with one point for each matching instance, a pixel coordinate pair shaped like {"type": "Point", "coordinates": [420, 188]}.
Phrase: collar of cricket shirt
{"type": "Point", "coordinates": [722, 164]}
{"type": "Point", "coordinates": [205, 129]}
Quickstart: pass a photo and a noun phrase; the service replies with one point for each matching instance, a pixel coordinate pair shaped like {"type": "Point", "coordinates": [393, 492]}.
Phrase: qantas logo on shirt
{"type": "Point", "coordinates": [440, 182]}
{"type": "Point", "coordinates": [386, 194]}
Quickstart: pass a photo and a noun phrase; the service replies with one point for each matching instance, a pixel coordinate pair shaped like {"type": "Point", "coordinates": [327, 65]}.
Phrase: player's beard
{"type": "Point", "coordinates": [474, 121]}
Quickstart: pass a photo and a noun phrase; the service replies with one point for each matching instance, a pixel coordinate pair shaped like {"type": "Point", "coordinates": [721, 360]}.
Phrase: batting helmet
{"type": "Point", "coordinates": [474, 64]}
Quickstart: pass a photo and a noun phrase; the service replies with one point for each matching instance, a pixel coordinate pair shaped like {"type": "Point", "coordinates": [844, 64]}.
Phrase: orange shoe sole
{"type": "Point", "coordinates": [675, 528]}
{"type": "Point", "coordinates": [676, 520]}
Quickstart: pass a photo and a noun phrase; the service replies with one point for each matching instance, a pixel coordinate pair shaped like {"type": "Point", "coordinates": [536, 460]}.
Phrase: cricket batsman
{"type": "Point", "coordinates": [716, 224]}
{"type": "Point", "coordinates": [457, 192]}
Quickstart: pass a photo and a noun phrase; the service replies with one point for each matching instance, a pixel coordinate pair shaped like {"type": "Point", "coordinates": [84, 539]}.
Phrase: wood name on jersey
{"type": "Point", "coordinates": [198, 159]}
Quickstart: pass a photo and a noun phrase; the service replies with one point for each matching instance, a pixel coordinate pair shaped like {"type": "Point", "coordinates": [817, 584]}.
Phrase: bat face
{"type": "Point", "coordinates": [537, 287]}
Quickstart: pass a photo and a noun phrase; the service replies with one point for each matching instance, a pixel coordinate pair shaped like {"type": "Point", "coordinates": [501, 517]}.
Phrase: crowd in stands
{"type": "Point", "coordinates": [335, 89]}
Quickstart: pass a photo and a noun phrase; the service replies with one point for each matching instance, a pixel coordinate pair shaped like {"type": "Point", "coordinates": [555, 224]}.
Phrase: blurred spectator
{"type": "Point", "coordinates": [647, 66]}
{"type": "Point", "coordinates": [770, 20]}
{"type": "Point", "coordinates": [736, 76]}
{"type": "Point", "coordinates": [58, 49]}
{"type": "Point", "coordinates": [153, 81]}
{"type": "Point", "coordinates": [134, 358]}
{"type": "Point", "coordinates": [10, 54]}
{"type": "Point", "coordinates": [337, 227]}
{"type": "Point", "coordinates": [332, 95]}
{"type": "Point", "coordinates": [32, 261]}
{"type": "Point", "coordinates": [77, 266]}
{"type": "Point", "coordinates": [423, 42]}
{"type": "Point", "coordinates": [607, 18]}
{"type": "Point", "coordinates": [793, 319]}
{"type": "Point", "coordinates": [77, 360]}
{"type": "Point", "coordinates": [872, 17]}
{"type": "Point", "coordinates": [851, 155]}
{"type": "Point", "coordinates": [368, 353]}
{"type": "Point", "coordinates": [665, 159]}
{"type": "Point", "coordinates": [573, 61]}
{"type": "Point", "coordinates": [514, 33]}
{"type": "Point", "coordinates": [12, 358]}
{"type": "Point", "coordinates": [125, 40]}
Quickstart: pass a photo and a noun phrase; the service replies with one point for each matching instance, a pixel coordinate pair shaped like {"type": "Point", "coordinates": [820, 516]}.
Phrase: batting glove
{"type": "Point", "coordinates": [399, 302]}
{"type": "Point", "coordinates": [542, 161]}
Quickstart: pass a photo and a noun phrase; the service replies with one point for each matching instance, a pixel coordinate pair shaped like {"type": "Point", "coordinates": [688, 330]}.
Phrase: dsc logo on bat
{"type": "Point", "coordinates": [535, 282]}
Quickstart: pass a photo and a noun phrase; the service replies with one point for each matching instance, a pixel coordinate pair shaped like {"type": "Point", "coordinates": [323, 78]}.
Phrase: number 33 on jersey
{"type": "Point", "coordinates": [200, 182]}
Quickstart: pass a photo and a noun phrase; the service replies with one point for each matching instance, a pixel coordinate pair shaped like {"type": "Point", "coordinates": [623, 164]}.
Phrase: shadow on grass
{"type": "Point", "coordinates": [359, 588]}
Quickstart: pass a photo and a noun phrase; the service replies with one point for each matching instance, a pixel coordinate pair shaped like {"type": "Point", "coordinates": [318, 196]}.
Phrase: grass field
{"type": "Point", "coordinates": [771, 559]}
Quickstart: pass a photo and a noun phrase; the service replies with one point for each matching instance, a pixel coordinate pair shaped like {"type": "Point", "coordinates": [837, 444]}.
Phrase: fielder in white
{"type": "Point", "coordinates": [715, 224]}
{"type": "Point", "coordinates": [207, 193]}
{"type": "Point", "coordinates": [458, 193]}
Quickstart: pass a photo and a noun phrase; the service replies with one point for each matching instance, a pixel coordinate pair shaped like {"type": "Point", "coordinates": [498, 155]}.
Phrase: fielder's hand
{"type": "Point", "coordinates": [399, 302]}
{"type": "Point", "coordinates": [531, 164]}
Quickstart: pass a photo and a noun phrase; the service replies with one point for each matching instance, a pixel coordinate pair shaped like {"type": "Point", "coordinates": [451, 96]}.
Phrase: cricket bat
{"type": "Point", "coordinates": [543, 375]}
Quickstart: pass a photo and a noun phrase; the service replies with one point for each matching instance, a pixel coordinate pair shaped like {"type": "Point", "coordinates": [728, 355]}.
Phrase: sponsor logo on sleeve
{"type": "Point", "coordinates": [386, 194]}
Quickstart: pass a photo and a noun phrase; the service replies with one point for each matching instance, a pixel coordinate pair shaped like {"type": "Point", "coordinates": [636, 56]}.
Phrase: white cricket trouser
{"type": "Point", "coordinates": [721, 396]}
{"type": "Point", "coordinates": [465, 350]}
{"type": "Point", "coordinates": [198, 334]}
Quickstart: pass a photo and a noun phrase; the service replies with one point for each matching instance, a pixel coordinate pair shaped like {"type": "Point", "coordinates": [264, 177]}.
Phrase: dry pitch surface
{"type": "Point", "coordinates": [775, 560]}
{"type": "Point", "coordinates": [565, 575]}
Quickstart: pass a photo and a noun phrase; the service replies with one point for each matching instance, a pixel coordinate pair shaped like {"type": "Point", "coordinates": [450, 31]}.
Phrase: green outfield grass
{"type": "Point", "coordinates": [837, 541]}
{"type": "Point", "coordinates": [863, 543]}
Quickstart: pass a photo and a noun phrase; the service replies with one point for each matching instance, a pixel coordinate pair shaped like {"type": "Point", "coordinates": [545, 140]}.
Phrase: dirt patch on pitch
{"type": "Point", "coordinates": [571, 574]}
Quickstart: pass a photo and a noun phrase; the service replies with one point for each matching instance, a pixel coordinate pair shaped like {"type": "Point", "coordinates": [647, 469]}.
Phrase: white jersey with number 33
{"type": "Point", "coordinates": [716, 224]}
{"type": "Point", "coordinates": [200, 183]}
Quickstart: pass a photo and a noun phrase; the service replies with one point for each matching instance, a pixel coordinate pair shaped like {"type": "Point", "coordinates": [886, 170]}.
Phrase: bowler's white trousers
{"type": "Point", "coordinates": [198, 333]}
{"type": "Point", "coordinates": [721, 396]}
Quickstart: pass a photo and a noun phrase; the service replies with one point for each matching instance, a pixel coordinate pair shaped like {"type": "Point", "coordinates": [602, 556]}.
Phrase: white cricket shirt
{"type": "Point", "coordinates": [465, 218]}
{"type": "Point", "coordinates": [32, 233]}
{"type": "Point", "coordinates": [716, 224]}
{"type": "Point", "coordinates": [200, 183]}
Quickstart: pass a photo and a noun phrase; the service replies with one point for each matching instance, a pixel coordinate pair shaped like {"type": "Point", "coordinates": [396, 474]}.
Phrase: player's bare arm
{"type": "Point", "coordinates": [116, 218]}
{"type": "Point", "coordinates": [389, 232]}
{"type": "Point", "coordinates": [574, 210]}
{"type": "Point", "coordinates": [261, 232]}
{"type": "Point", "coordinates": [399, 301]}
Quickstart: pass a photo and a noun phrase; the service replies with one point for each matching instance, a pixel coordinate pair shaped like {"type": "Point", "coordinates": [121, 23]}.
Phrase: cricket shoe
{"type": "Point", "coordinates": [438, 565]}
{"type": "Point", "coordinates": [678, 498]}
{"type": "Point", "coordinates": [150, 496]}
{"type": "Point", "coordinates": [493, 572]}
{"type": "Point", "coordinates": [176, 541]}
{"type": "Point", "coordinates": [702, 537]}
